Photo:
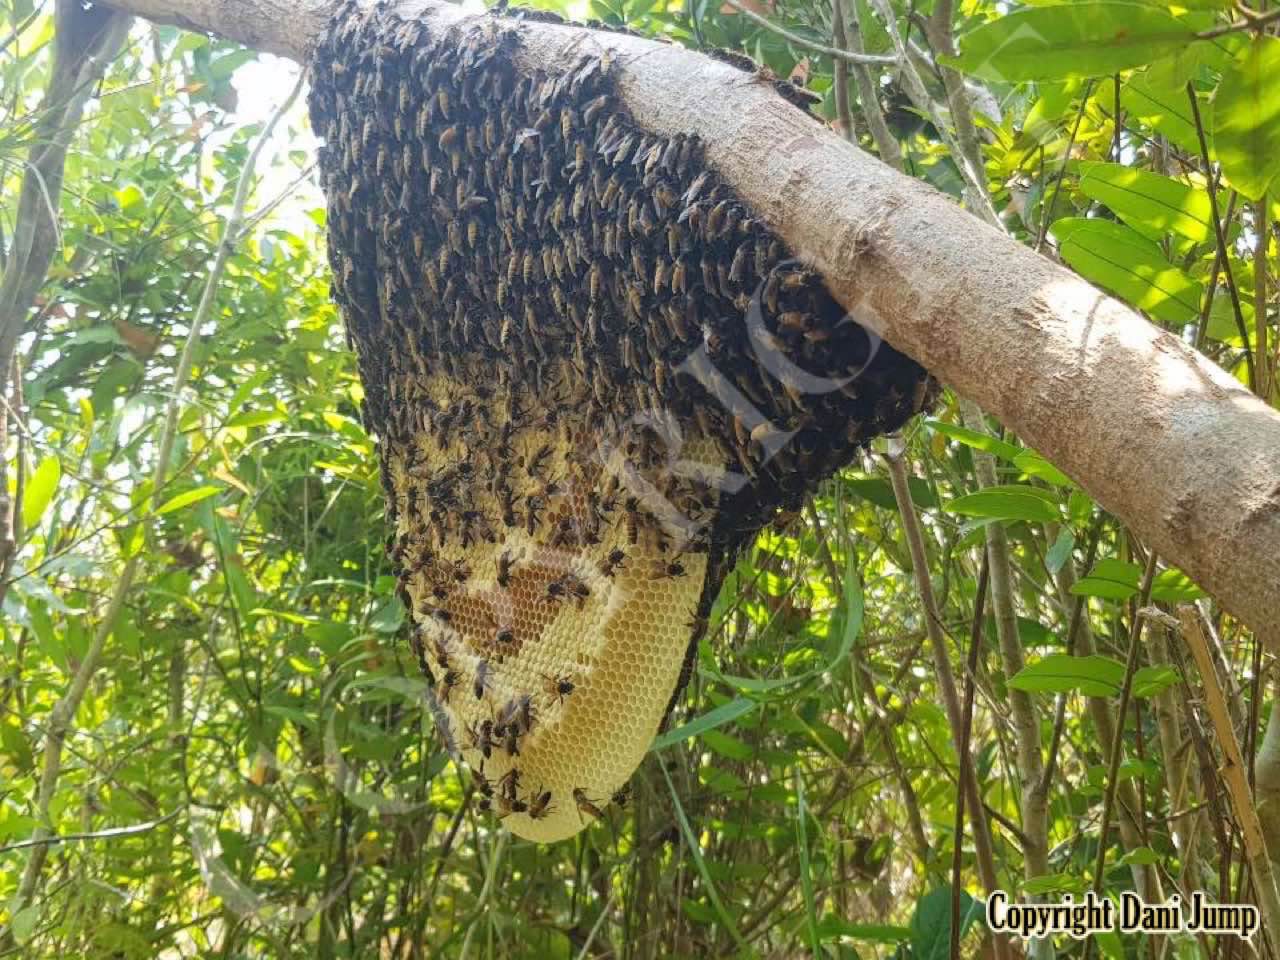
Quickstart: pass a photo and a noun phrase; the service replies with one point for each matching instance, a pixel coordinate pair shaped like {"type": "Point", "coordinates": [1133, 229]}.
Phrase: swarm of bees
{"type": "Point", "coordinates": [593, 374]}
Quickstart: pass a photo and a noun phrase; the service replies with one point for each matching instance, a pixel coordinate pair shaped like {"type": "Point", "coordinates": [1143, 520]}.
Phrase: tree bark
{"type": "Point", "coordinates": [1156, 433]}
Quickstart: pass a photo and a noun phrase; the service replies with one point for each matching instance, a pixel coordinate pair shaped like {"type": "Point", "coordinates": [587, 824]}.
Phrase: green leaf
{"type": "Point", "coordinates": [725, 713]}
{"type": "Point", "coordinates": [1054, 883]}
{"type": "Point", "coordinates": [1149, 681]}
{"type": "Point", "coordinates": [1246, 119]}
{"type": "Point", "coordinates": [1109, 579]}
{"type": "Point", "coordinates": [1174, 586]}
{"type": "Point", "coordinates": [1032, 464]}
{"type": "Point", "coordinates": [23, 924]}
{"type": "Point", "coordinates": [833, 927]}
{"type": "Point", "coordinates": [1130, 266]}
{"type": "Point", "coordinates": [39, 491]}
{"type": "Point", "coordinates": [1008, 502]}
{"type": "Point", "coordinates": [1144, 199]}
{"type": "Point", "coordinates": [1060, 552]}
{"type": "Point", "coordinates": [975, 439]}
{"type": "Point", "coordinates": [187, 498]}
{"type": "Point", "coordinates": [1166, 112]}
{"type": "Point", "coordinates": [1080, 39]}
{"type": "Point", "coordinates": [255, 418]}
{"type": "Point", "coordinates": [1094, 676]}
{"type": "Point", "coordinates": [931, 923]}
{"type": "Point", "coordinates": [880, 492]}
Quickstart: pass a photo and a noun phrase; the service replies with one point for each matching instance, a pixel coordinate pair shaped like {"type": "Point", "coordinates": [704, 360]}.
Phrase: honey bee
{"type": "Point", "coordinates": [585, 805]}
{"type": "Point", "coordinates": [449, 138]}
{"type": "Point", "coordinates": [510, 805]}
{"type": "Point", "coordinates": [505, 637]}
{"type": "Point", "coordinates": [668, 569]}
{"type": "Point", "coordinates": [505, 563]}
{"type": "Point", "coordinates": [451, 679]}
{"type": "Point", "coordinates": [632, 508]}
{"type": "Point", "coordinates": [482, 737]}
{"type": "Point", "coordinates": [557, 687]}
{"type": "Point", "coordinates": [539, 806]}
{"type": "Point", "coordinates": [557, 589]}
{"type": "Point", "coordinates": [509, 782]}
{"type": "Point", "coordinates": [442, 652]}
{"type": "Point", "coordinates": [621, 796]}
{"type": "Point", "coordinates": [610, 564]}
{"type": "Point", "coordinates": [482, 679]}
{"type": "Point", "coordinates": [511, 738]}
{"type": "Point", "coordinates": [592, 109]}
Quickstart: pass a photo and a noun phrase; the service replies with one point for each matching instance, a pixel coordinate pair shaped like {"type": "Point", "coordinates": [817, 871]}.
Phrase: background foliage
{"type": "Point", "coordinates": [251, 772]}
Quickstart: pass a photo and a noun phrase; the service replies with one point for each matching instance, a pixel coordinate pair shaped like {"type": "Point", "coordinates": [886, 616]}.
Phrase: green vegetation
{"type": "Point", "coordinates": [248, 769]}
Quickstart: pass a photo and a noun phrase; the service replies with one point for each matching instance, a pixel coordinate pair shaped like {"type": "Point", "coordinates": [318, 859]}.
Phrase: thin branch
{"type": "Point", "coordinates": [112, 834]}
{"type": "Point", "coordinates": [1249, 23]}
{"type": "Point", "coordinates": [799, 41]}
{"type": "Point", "coordinates": [1221, 236]}
{"type": "Point", "coordinates": [1117, 742]}
{"type": "Point", "coordinates": [1233, 772]}
{"type": "Point", "coordinates": [942, 667]}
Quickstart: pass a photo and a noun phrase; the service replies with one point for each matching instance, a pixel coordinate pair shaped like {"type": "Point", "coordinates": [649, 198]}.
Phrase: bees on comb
{"type": "Point", "coordinates": [523, 269]}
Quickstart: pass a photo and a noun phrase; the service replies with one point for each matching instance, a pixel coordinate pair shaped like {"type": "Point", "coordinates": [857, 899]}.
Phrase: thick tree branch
{"type": "Point", "coordinates": [1158, 434]}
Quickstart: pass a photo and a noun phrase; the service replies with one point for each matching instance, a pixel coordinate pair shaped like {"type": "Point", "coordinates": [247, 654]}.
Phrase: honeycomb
{"type": "Point", "coordinates": [593, 374]}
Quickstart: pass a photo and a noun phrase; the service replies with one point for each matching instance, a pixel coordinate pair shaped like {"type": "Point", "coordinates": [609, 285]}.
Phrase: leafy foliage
{"type": "Point", "coordinates": [253, 771]}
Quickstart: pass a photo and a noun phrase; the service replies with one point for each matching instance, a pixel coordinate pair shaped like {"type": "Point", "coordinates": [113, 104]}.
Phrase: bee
{"type": "Point", "coordinates": [557, 589]}
{"type": "Point", "coordinates": [577, 588]}
{"type": "Point", "coordinates": [509, 783]}
{"type": "Point", "coordinates": [442, 652]}
{"type": "Point", "coordinates": [557, 687]}
{"type": "Point", "coordinates": [668, 569]}
{"type": "Point", "coordinates": [523, 712]}
{"type": "Point", "coordinates": [532, 505]}
{"type": "Point", "coordinates": [449, 137]}
{"type": "Point", "coordinates": [592, 109]}
{"type": "Point", "coordinates": [482, 679]}
{"type": "Point", "coordinates": [505, 563]}
{"type": "Point", "coordinates": [621, 796]}
{"type": "Point", "coordinates": [505, 637]}
{"type": "Point", "coordinates": [510, 805]}
{"type": "Point", "coordinates": [511, 738]}
{"type": "Point", "coordinates": [482, 739]}
{"type": "Point", "coordinates": [585, 805]}
{"type": "Point", "coordinates": [539, 806]}
{"type": "Point", "coordinates": [610, 564]}
{"type": "Point", "coordinates": [451, 679]}
{"type": "Point", "coordinates": [538, 461]}
{"type": "Point", "coordinates": [632, 507]}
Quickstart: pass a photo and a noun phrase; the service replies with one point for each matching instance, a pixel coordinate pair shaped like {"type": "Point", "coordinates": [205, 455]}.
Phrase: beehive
{"type": "Point", "coordinates": [593, 374]}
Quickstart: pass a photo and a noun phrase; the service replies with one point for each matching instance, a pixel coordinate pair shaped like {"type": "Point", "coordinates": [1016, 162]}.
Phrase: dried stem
{"type": "Point", "coordinates": [942, 667]}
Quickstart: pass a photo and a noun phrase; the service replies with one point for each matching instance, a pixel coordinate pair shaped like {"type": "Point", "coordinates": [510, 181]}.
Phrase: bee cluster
{"type": "Point", "coordinates": [593, 374]}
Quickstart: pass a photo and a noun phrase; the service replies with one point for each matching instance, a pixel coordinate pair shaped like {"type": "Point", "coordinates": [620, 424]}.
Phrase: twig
{"type": "Point", "coordinates": [1221, 237]}
{"type": "Point", "coordinates": [975, 644]}
{"type": "Point", "coordinates": [112, 834]}
{"type": "Point", "coordinates": [1117, 742]}
{"type": "Point", "coordinates": [942, 667]}
{"type": "Point", "coordinates": [1256, 22]}
{"type": "Point", "coordinates": [847, 56]}
{"type": "Point", "coordinates": [1233, 773]}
